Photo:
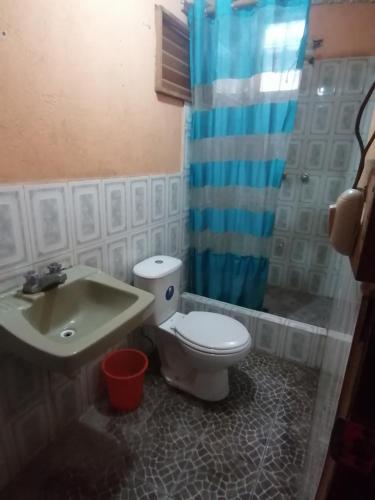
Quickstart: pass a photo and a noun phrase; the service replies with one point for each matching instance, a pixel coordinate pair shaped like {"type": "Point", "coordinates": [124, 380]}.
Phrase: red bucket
{"type": "Point", "coordinates": [124, 372]}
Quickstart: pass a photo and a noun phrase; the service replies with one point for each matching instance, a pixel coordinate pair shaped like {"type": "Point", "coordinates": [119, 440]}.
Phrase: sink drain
{"type": "Point", "coordinates": [67, 333]}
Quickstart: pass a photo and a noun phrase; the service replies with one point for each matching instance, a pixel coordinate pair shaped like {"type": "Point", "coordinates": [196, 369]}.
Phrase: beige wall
{"type": "Point", "coordinates": [77, 91]}
{"type": "Point", "coordinates": [348, 29]}
{"type": "Point", "coordinates": [77, 85]}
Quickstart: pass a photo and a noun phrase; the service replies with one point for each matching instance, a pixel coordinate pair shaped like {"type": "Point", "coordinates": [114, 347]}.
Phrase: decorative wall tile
{"type": "Point", "coordinates": [174, 196]}
{"type": "Point", "coordinates": [268, 334]}
{"type": "Point", "coordinates": [297, 344]}
{"type": "Point", "coordinates": [117, 251]}
{"type": "Point", "coordinates": [158, 243]}
{"type": "Point", "coordinates": [321, 118]}
{"type": "Point", "coordinates": [93, 257]}
{"type": "Point", "coordinates": [304, 221]}
{"type": "Point", "coordinates": [276, 274]}
{"type": "Point", "coordinates": [295, 277]}
{"type": "Point", "coordinates": [322, 226]}
{"type": "Point", "coordinates": [173, 248]}
{"type": "Point", "coordinates": [86, 202]}
{"type": "Point", "coordinates": [299, 124]}
{"type": "Point", "coordinates": [13, 279]}
{"type": "Point", "coordinates": [139, 247]}
{"type": "Point", "coordinates": [288, 188]}
{"type": "Point", "coordinates": [24, 383]}
{"type": "Point", "coordinates": [300, 251]}
{"type": "Point", "coordinates": [14, 241]}
{"type": "Point", "coordinates": [346, 117]}
{"type": "Point", "coordinates": [355, 76]}
{"type": "Point", "coordinates": [185, 193]}
{"type": "Point", "coordinates": [328, 78]}
{"type": "Point", "coordinates": [158, 198]}
{"type": "Point", "coordinates": [333, 187]}
{"type": "Point", "coordinates": [294, 151]}
{"type": "Point", "coordinates": [116, 209]}
{"type": "Point", "coordinates": [340, 155]}
{"type": "Point", "coordinates": [185, 236]}
{"type": "Point", "coordinates": [139, 201]}
{"type": "Point", "coordinates": [316, 282]}
{"type": "Point", "coordinates": [305, 84]}
{"type": "Point", "coordinates": [49, 220]}
{"type": "Point", "coordinates": [31, 432]}
{"type": "Point", "coordinates": [315, 155]}
{"type": "Point", "coordinates": [283, 217]}
{"type": "Point", "coordinates": [309, 191]}
{"type": "Point", "coordinates": [321, 254]}
{"type": "Point", "coordinates": [280, 246]}
{"type": "Point", "coordinates": [67, 399]}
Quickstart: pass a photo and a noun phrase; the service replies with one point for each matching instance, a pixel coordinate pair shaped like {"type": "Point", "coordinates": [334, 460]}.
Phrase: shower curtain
{"type": "Point", "coordinates": [245, 71]}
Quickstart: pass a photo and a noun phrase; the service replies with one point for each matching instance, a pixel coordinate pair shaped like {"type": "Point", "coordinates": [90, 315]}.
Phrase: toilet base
{"type": "Point", "coordinates": [208, 386]}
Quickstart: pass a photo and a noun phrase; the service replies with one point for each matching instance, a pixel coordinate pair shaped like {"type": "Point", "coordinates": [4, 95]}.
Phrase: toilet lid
{"type": "Point", "coordinates": [212, 331]}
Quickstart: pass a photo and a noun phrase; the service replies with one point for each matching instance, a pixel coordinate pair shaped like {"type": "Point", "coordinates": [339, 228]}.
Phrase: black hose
{"type": "Point", "coordinates": [364, 149]}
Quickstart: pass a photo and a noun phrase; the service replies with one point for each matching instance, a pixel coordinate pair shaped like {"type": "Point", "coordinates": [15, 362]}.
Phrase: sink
{"type": "Point", "coordinates": [64, 328]}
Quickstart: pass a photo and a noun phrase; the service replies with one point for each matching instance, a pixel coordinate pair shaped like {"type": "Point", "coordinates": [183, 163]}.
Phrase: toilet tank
{"type": "Point", "coordinates": [160, 275]}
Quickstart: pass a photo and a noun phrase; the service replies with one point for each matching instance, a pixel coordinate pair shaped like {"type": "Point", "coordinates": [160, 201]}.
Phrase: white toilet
{"type": "Point", "coordinates": [195, 349]}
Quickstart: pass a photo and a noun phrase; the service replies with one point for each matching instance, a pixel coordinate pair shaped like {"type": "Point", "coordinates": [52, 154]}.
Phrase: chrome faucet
{"type": "Point", "coordinates": [35, 282]}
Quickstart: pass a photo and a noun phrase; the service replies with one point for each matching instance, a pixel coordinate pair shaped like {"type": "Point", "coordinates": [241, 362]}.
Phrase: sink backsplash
{"type": "Point", "coordinates": [110, 224]}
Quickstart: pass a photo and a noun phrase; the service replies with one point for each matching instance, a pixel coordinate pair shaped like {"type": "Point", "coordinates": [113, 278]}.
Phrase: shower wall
{"type": "Point", "coordinates": [322, 157]}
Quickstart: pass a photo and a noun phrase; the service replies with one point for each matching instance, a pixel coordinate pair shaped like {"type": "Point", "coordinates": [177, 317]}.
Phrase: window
{"type": "Point", "coordinates": [172, 55]}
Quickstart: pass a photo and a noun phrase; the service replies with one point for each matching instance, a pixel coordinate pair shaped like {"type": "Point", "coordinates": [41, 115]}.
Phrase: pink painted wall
{"type": "Point", "coordinates": [348, 29]}
{"type": "Point", "coordinates": [77, 85]}
{"type": "Point", "coordinates": [77, 91]}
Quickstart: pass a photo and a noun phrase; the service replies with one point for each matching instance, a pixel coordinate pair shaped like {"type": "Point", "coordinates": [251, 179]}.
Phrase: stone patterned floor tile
{"type": "Point", "coordinates": [250, 446]}
{"type": "Point", "coordinates": [219, 470]}
{"type": "Point", "coordinates": [272, 487]}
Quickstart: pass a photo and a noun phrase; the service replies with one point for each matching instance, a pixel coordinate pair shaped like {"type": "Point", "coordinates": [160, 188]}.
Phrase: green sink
{"type": "Point", "coordinates": [64, 328]}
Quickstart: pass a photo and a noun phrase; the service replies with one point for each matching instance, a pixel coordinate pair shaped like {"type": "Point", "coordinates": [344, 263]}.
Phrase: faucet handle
{"type": "Point", "coordinates": [54, 267]}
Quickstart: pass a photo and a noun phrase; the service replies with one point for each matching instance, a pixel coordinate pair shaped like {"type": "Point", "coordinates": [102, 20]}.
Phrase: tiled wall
{"type": "Point", "coordinates": [322, 146]}
{"type": "Point", "coordinates": [110, 224]}
{"type": "Point", "coordinates": [274, 335]}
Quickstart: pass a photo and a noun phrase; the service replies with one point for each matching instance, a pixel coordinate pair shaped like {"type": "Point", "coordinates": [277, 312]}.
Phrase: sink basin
{"type": "Point", "coordinates": [64, 328]}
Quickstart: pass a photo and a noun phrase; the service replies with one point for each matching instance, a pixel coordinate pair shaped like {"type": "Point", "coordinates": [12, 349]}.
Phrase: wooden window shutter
{"type": "Point", "coordinates": [172, 75]}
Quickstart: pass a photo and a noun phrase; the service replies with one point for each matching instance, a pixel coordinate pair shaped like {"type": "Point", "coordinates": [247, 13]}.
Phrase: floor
{"type": "Point", "coordinates": [251, 446]}
{"type": "Point", "coordinates": [300, 306]}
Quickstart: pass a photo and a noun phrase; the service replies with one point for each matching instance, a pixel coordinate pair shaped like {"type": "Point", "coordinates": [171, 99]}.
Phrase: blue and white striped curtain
{"type": "Point", "coordinates": [245, 71]}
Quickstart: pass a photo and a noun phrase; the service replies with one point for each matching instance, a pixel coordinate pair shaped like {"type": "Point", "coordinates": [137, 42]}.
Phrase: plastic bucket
{"type": "Point", "coordinates": [124, 372]}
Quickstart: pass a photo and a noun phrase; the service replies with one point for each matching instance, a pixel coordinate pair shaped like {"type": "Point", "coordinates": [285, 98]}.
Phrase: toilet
{"type": "Point", "coordinates": [196, 349]}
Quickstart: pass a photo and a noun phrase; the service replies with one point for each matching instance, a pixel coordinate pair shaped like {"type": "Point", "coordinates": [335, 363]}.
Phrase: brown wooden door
{"type": "Point", "coordinates": [349, 470]}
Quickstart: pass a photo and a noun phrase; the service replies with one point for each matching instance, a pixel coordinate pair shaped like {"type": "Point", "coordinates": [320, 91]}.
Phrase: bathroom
{"type": "Point", "coordinates": [95, 171]}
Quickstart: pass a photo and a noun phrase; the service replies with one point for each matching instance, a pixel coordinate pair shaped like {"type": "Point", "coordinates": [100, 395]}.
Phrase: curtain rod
{"type": "Point", "coordinates": [210, 5]}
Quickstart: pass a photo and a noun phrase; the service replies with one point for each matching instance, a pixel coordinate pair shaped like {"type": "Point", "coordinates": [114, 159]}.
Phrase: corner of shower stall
{"type": "Point", "coordinates": [312, 301]}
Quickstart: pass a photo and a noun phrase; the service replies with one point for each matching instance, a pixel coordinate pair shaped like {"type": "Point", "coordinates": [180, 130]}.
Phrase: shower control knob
{"type": "Point", "coordinates": [305, 177]}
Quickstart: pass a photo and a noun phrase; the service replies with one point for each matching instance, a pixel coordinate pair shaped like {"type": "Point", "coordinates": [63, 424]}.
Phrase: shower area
{"type": "Point", "coordinates": [322, 159]}
{"type": "Point", "coordinates": [310, 301]}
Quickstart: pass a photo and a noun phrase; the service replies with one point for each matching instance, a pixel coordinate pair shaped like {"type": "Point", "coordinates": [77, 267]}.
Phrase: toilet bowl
{"type": "Point", "coordinates": [196, 349]}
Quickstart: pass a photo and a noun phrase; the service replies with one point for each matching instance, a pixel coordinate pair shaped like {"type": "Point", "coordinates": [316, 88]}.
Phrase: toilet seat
{"type": "Point", "coordinates": [212, 333]}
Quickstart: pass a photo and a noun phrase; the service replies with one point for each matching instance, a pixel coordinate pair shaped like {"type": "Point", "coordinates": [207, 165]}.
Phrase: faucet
{"type": "Point", "coordinates": [35, 282]}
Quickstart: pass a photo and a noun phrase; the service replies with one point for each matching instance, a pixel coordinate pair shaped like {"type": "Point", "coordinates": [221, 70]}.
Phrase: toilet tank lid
{"type": "Point", "coordinates": [157, 266]}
